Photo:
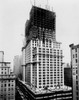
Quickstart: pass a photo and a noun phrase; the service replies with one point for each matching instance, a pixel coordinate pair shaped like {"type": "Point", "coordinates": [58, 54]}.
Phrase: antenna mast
{"type": "Point", "coordinates": [47, 6]}
{"type": "Point", "coordinates": [34, 2]}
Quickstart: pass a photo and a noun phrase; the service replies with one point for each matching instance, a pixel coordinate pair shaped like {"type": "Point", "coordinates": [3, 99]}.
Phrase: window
{"type": "Point", "coordinates": [76, 55]}
{"type": "Point", "coordinates": [76, 71]}
{"type": "Point", "coordinates": [76, 82]}
{"type": "Point", "coordinates": [1, 85]}
{"type": "Point", "coordinates": [77, 98]}
{"type": "Point", "coordinates": [75, 60]}
{"type": "Point", "coordinates": [39, 83]}
{"type": "Point", "coordinates": [76, 77]}
{"type": "Point", "coordinates": [8, 84]}
{"type": "Point", "coordinates": [77, 93]}
{"type": "Point", "coordinates": [76, 50]}
{"type": "Point", "coordinates": [76, 87]}
{"type": "Point", "coordinates": [73, 55]}
{"type": "Point", "coordinates": [12, 81]}
{"type": "Point", "coordinates": [9, 89]}
{"type": "Point", "coordinates": [5, 85]}
{"type": "Point", "coordinates": [5, 89]}
{"type": "Point", "coordinates": [12, 88]}
{"type": "Point", "coordinates": [39, 86]}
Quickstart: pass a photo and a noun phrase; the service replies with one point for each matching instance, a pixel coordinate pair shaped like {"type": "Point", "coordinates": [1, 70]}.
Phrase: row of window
{"type": "Point", "coordinates": [74, 55]}
{"type": "Point", "coordinates": [51, 52]}
{"type": "Point", "coordinates": [5, 85]}
{"type": "Point", "coordinates": [4, 72]}
{"type": "Point", "coordinates": [9, 89]}
{"type": "Point", "coordinates": [7, 81]}
{"type": "Point", "coordinates": [4, 68]}
{"type": "Point", "coordinates": [54, 51]}
{"type": "Point", "coordinates": [49, 75]}
{"type": "Point", "coordinates": [47, 45]}
{"type": "Point", "coordinates": [50, 81]}
{"type": "Point", "coordinates": [43, 86]}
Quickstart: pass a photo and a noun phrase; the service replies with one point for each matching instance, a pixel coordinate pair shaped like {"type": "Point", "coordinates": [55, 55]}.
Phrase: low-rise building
{"type": "Point", "coordinates": [7, 82]}
{"type": "Point", "coordinates": [64, 93]}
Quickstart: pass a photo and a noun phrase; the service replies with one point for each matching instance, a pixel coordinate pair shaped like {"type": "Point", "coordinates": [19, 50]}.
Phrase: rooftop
{"type": "Point", "coordinates": [49, 90]}
{"type": "Point", "coordinates": [74, 46]}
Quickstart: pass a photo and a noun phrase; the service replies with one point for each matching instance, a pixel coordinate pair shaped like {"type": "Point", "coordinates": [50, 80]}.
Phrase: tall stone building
{"type": "Point", "coordinates": [75, 70]}
{"type": "Point", "coordinates": [42, 54]}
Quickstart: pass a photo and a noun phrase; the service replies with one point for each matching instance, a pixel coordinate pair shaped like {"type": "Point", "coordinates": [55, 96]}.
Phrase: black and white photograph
{"type": "Point", "coordinates": [39, 49]}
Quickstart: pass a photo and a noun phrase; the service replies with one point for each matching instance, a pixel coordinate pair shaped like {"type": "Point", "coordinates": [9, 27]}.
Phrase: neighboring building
{"type": "Point", "coordinates": [43, 56]}
{"type": "Point", "coordinates": [17, 66]}
{"type": "Point", "coordinates": [68, 76]}
{"type": "Point", "coordinates": [1, 56]}
{"type": "Point", "coordinates": [7, 82]}
{"type": "Point", "coordinates": [23, 64]}
{"type": "Point", "coordinates": [75, 70]}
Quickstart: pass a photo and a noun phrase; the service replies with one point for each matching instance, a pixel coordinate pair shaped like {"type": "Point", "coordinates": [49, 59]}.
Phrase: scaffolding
{"type": "Point", "coordinates": [41, 24]}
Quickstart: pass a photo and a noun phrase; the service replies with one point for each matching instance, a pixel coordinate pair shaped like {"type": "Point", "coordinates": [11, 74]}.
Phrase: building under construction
{"type": "Point", "coordinates": [43, 57]}
{"type": "Point", "coordinates": [41, 24]}
{"type": "Point", "coordinates": [42, 54]}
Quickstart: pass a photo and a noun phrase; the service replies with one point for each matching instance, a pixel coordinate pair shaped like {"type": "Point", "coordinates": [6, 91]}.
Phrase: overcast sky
{"type": "Point", "coordinates": [14, 13]}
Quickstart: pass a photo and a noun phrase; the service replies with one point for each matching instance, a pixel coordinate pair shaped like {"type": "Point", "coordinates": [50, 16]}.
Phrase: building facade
{"type": "Point", "coordinates": [17, 66]}
{"type": "Point", "coordinates": [68, 76]}
{"type": "Point", "coordinates": [75, 70]}
{"type": "Point", "coordinates": [7, 82]}
{"type": "Point", "coordinates": [43, 63]}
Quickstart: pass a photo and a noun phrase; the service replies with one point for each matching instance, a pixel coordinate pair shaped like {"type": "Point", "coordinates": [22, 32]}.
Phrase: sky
{"type": "Point", "coordinates": [14, 13]}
